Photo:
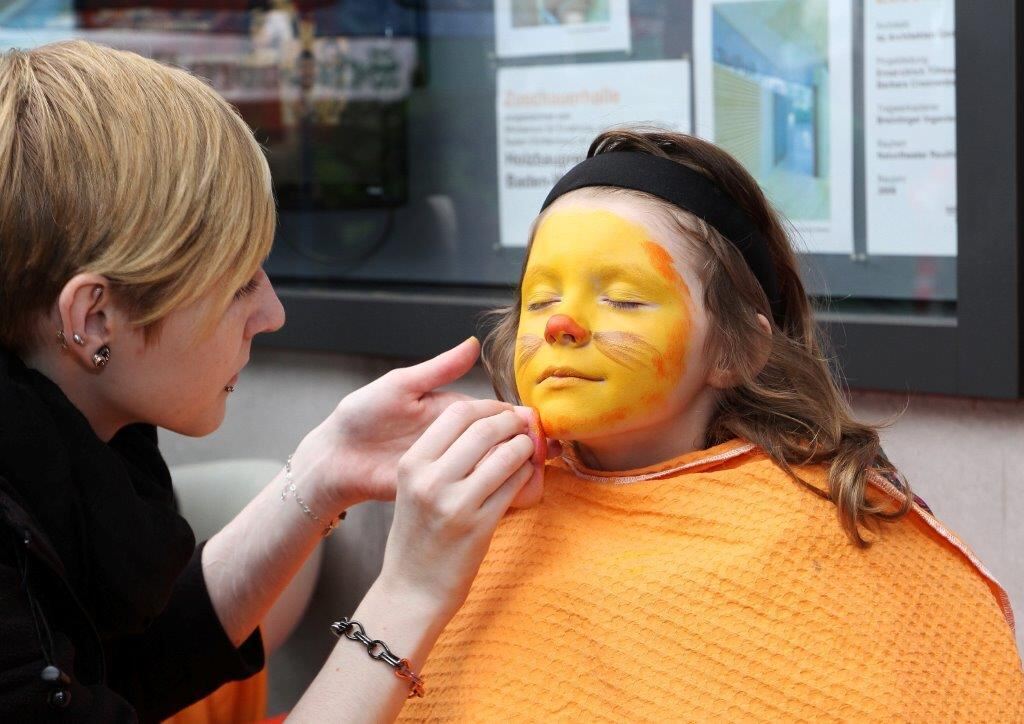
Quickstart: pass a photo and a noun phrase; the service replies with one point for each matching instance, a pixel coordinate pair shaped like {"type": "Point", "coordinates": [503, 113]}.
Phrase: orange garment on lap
{"type": "Point", "coordinates": [721, 590]}
{"type": "Point", "coordinates": [236, 702]}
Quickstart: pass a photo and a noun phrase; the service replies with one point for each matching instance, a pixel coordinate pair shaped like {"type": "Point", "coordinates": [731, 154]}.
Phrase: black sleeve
{"type": "Point", "coordinates": [24, 696]}
{"type": "Point", "coordinates": [183, 656]}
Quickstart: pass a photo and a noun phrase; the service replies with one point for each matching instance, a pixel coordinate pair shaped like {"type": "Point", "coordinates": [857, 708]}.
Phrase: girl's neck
{"type": "Point", "coordinates": [652, 444]}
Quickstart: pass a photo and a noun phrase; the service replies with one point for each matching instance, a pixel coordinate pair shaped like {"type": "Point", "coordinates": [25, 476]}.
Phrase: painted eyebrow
{"type": "Point", "coordinates": [603, 273]}
{"type": "Point", "coordinates": [629, 271]}
{"type": "Point", "coordinates": [539, 274]}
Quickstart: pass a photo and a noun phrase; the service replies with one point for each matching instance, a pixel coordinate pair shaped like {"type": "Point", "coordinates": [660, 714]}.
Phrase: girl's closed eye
{"type": "Point", "coordinates": [251, 286]}
{"type": "Point", "coordinates": [536, 306]}
{"type": "Point", "coordinates": [624, 303]}
{"type": "Point", "coordinates": [623, 298]}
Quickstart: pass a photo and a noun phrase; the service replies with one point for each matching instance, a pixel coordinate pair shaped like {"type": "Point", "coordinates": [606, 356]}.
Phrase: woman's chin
{"type": "Point", "coordinates": [199, 426]}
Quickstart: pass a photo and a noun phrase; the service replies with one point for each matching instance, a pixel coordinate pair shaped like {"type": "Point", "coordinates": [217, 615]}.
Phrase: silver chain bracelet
{"type": "Point", "coordinates": [379, 651]}
{"type": "Point", "coordinates": [289, 488]}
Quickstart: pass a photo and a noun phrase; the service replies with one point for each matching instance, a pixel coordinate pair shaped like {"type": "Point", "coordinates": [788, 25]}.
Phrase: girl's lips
{"type": "Point", "coordinates": [566, 372]}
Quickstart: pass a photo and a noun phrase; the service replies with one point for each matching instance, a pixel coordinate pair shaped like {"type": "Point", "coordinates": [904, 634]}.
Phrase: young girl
{"type": "Point", "coordinates": [720, 540]}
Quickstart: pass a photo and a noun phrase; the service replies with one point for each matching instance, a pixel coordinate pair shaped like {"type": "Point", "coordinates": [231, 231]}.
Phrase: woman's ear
{"type": "Point", "coordinates": [724, 375]}
{"type": "Point", "coordinates": [84, 308]}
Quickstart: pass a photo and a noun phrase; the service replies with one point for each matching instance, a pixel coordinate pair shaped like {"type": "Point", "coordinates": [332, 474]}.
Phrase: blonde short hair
{"type": "Point", "coordinates": [115, 164]}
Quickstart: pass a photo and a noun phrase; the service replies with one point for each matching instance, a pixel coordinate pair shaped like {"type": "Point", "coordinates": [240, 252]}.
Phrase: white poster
{"type": "Point", "coordinates": [910, 127]}
{"type": "Point", "coordinates": [774, 88]}
{"type": "Point", "coordinates": [541, 27]}
{"type": "Point", "coordinates": [548, 115]}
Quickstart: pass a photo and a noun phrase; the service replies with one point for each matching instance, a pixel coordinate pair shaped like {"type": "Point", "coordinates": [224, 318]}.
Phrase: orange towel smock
{"type": "Point", "coordinates": [720, 590]}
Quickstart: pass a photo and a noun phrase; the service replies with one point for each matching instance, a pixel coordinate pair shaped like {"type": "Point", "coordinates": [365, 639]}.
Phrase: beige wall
{"type": "Point", "coordinates": [964, 457]}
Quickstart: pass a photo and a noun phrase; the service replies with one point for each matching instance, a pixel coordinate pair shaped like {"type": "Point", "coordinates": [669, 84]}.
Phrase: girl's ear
{"type": "Point", "coordinates": [723, 375]}
{"type": "Point", "coordinates": [764, 346]}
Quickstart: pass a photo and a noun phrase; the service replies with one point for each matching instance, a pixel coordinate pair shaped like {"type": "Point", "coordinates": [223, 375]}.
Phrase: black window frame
{"type": "Point", "coordinates": [976, 351]}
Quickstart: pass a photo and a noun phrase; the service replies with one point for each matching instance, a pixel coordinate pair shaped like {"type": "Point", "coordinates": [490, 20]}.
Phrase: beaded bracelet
{"type": "Point", "coordinates": [289, 488]}
{"type": "Point", "coordinates": [379, 651]}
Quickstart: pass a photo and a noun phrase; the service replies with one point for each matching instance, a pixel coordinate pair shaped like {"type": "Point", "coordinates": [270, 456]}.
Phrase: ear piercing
{"type": "Point", "coordinates": [101, 357]}
{"type": "Point", "coordinates": [63, 341]}
{"type": "Point", "coordinates": [229, 388]}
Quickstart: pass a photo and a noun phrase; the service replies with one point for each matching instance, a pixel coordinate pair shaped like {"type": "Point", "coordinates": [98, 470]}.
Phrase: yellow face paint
{"type": "Point", "coordinates": [604, 324]}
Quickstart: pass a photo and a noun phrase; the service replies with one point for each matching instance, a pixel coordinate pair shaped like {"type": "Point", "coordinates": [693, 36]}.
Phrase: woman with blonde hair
{"type": "Point", "coordinates": [135, 213]}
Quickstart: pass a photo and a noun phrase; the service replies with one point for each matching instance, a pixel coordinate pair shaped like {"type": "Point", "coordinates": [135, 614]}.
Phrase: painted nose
{"type": "Point", "coordinates": [563, 329]}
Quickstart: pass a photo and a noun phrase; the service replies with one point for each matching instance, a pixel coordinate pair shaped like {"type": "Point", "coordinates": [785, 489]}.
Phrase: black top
{"type": "Point", "coordinates": [104, 612]}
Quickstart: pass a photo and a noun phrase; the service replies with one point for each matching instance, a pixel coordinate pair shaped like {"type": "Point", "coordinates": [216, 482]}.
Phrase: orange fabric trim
{"type": "Point", "coordinates": [947, 535]}
{"type": "Point", "coordinates": [690, 462]}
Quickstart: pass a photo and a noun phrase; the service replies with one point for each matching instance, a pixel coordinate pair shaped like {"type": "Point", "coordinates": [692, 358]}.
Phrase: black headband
{"type": "Point", "coordinates": [687, 189]}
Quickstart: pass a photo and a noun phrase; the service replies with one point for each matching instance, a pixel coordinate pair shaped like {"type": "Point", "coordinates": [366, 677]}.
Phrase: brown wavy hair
{"type": "Point", "coordinates": [784, 397]}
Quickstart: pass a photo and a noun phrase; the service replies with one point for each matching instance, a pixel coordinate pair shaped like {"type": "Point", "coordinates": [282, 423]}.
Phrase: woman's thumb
{"type": "Point", "coordinates": [443, 369]}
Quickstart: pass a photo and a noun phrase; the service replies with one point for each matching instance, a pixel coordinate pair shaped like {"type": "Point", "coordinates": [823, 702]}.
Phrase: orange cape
{"type": "Point", "coordinates": [713, 586]}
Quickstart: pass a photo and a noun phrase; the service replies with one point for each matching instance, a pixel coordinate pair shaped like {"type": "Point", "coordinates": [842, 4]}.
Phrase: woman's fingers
{"type": "Point", "coordinates": [505, 461]}
{"type": "Point", "coordinates": [450, 426]}
{"type": "Point", "coordinates": [478, 443]}
{"type": "Point", "coordinates": [531, 493]}
{"type": "Point", "coordinates": [499, 501]}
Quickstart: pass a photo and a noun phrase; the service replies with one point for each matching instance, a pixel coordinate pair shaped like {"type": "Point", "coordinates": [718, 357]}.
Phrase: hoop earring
{"type": "Point", "coordinates": [101, 357]}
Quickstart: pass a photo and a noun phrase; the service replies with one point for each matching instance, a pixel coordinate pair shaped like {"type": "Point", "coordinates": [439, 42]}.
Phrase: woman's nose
{"type": "Point", "coordinates": [269, 317]}
{"type": "Point", "coordinates": [563, 329]}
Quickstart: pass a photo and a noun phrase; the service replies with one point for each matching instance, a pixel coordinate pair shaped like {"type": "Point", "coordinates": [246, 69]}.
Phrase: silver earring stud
{"type": "Point", "coordinates": [62, 339]}
{"type": "Point", "coordinates": [101, 357]}
{"type": "Point", "coordinates": [78, 339]}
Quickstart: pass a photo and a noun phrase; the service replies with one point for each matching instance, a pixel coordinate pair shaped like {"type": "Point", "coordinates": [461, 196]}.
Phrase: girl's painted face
{"type": "Point", "coordinates": [605, 324]}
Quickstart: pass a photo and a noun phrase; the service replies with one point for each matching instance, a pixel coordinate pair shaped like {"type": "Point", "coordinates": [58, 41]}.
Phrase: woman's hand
{"type": "Point", "coordinates": [355, 451]}
{"type": "Point", "coordinates": [454, 485]}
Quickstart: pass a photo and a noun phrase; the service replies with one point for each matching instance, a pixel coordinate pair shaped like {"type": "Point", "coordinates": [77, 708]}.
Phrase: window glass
{"type": "Point", "coordinates": [412, 141]}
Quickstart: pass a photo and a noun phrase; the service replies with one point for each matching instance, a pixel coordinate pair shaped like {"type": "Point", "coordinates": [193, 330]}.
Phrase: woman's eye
{"type": "Point", "coordinates": [251, 286]}
{"type": "Point", "coordinates": [539, 305]}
